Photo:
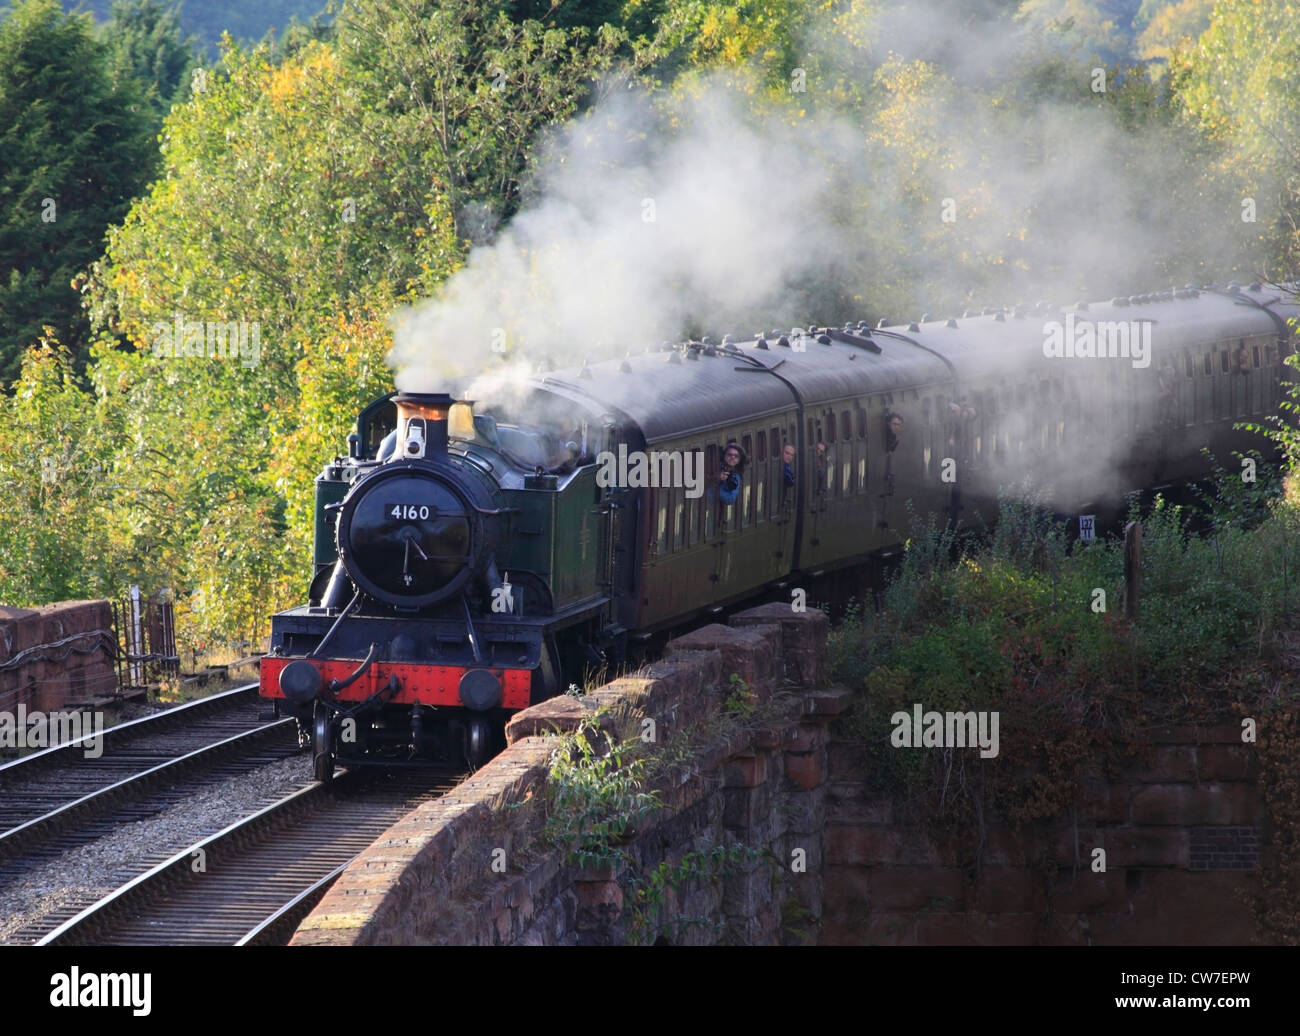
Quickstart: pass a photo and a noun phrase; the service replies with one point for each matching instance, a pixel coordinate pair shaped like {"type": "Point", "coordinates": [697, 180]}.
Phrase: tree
{"type": "Point", "coordinates": [468, 90]}
{"type": "Point", "coordinates": [1099, 30]}
{"type": "Point", "coordinates": [74, 149]}
{"type": "Point", "coordinates": [146, 44]}
{"type": "Point", "coordinates": [52, 459]}
{"type": "Point", "coordinates": [1240, 83]}
{"type": "Point", "coordinates": [306, 196]}
{"type": "Point", "coordinates": [1169, 26]}
{"type": "Point", "coordinates": [764, 38]}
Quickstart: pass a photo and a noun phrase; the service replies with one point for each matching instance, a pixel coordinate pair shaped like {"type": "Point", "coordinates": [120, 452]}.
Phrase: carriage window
{"type": "Point", "coordinates": [862, 422]}
{"type": "Point", "coordinates": [778, 481]}
{"type": "Point", "coordinates": [1059, 398]}
{"type": "Point", "coordinates": [1208, 366]}
{"type": "Point", "coordinates": [762, 446]}
{"type": "Point", "coordinates": [927, 451]}
{"type": "Point", "coordinates": [679, 518]}
{"type": "Point", "coordinates": [1023, 442]}
{"type": "Point", "coordinates": [1255, 351]}
{"type": "Point", "coordinates": [812, 464]}
{"type": "Point", "coordinates": [1223, 360]}
{"type": "Point", "coordinates": [661, 522]}
{"type": "Point", "coordinates": [694, 525]}
{"type": "Point", "coordinates": [1045, 428]}
{"type": "Point", "coordinates": [830, 426]}
{"type": "Point", "coordinates": [1187, 363]}
{"type": "Point", "coordinates": [711, 468]}
{"type": "Point", "coordinates": [746, 500]}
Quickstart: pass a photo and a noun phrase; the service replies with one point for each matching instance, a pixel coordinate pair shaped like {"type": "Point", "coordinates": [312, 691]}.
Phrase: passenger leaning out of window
{"type": "Point", "coordinates": [893, 431]}
{"type": "Point", "coordinates": [822, 467]}
{"type": "Point", "coordinates": [733, 465]}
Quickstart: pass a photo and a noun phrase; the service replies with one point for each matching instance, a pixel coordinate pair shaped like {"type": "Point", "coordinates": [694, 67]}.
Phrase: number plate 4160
{"type": "Point", "coordinates": [409, 512]}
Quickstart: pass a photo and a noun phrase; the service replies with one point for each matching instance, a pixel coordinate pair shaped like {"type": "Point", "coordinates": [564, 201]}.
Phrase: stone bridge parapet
{"type": "Point", "coordinates": [733, 853]}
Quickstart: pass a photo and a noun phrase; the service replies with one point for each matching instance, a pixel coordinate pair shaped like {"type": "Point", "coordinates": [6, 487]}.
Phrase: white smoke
{"type": "Point", "coordinates": [656, 217]}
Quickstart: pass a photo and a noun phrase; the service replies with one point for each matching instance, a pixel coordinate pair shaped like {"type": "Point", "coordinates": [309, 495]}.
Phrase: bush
{"type": "Point", "coordinates": [1014, 625]}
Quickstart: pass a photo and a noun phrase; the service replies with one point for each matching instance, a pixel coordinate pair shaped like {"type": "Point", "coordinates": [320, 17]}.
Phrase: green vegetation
{"type": "Point", "coordinates": [76, 148]}
{"type": "Point", "coordinates": [597, 795]}
{"type": "Point", "coordinates": [305, 196]}
{"type": "Point", "coordinates": [1016, 627]}
{"type": "Point", "coordinates": [311, 184]}
{"type": "Point", "coordinates": [605, 785]}
{"type": "Point", "coordinates": [650, 911]}
{"type": "Point", "coordinates": [146, 45]}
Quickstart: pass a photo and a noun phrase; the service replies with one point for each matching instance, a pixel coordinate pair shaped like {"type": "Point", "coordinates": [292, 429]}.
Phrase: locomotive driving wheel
{"type": "Point", "coordinates": [323, 744]}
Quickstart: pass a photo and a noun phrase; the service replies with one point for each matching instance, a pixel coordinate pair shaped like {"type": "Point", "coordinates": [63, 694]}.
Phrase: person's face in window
{"type": "Point", "coordinates": [731, 457]}
{"type": "Point", "coordinates": [896, 425]}
{"type": "Point", "coordinates": [787, 454]}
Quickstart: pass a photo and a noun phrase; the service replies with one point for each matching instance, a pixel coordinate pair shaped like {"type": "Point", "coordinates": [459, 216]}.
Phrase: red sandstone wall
{"type": "Point", "coordinates": [1181, 831]}
{"type": "Point", "coordinates": [56, 675]}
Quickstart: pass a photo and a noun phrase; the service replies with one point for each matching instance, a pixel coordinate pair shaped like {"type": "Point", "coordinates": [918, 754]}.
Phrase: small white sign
{"type": "Point", "coordinates": [1086, 524]}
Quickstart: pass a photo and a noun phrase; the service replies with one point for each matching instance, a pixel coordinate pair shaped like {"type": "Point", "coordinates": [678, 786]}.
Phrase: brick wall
{"type": "Point", "coordinates": [56, 656]}
{"type": "Point", "coordinates": [1180, 828]}
{"type": "Point", "coordinates": [469, 868]}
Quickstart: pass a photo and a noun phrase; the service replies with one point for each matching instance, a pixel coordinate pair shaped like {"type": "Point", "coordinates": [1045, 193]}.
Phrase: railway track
{"type": "Point", "coordinates": [254, 882]}
{"type": "Point", "coordinates": [59, 799]}
{"type": "Point", "coordinates": [36, 783]}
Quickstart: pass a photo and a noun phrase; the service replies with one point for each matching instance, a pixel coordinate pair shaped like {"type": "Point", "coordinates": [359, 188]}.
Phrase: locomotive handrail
{"type": "Point", "coordinates": [470, 631]}
{"type": "Point", "coordinates": [347, 610]}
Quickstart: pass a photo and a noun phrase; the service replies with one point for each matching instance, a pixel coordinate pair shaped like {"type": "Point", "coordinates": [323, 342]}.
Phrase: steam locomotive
{"type": "Point", "coordinates": [473, 557]}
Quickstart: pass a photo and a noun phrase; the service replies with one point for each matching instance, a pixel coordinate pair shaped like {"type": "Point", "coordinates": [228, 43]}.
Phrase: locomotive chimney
{"type": "Point", "coordinates": [421, 424]}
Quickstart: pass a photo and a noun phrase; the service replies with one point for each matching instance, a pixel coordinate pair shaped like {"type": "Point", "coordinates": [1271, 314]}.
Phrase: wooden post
{"type": "Point", "coordinates": [1132, 568]}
